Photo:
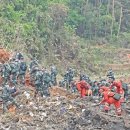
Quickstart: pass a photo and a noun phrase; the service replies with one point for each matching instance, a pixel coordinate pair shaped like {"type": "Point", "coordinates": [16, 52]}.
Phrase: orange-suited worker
{"type": "Point", "coordinates": [110, 98]}
{"type": "Point", "coordinates": [118, 86]}
{"type": "Point", "coordinates": [82, 87]}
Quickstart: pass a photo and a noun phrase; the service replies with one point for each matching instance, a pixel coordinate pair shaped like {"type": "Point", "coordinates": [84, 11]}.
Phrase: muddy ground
{"type": "Point", "coordinates": [65, 112]}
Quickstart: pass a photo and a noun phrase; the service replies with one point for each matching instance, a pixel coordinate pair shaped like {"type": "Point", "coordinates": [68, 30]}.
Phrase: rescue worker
{"type": "Point", "coordinates": [33, 63]}
{"type": "Point", "coordinates": [95, 88]}
{"type": "Point", "coordinates": [47, 82]}
{"type": "Point", "coordinates": [110, 73]}
{"type": "Point", "coordinates": [17, 55]}
{"type": "Point", "coordinates": [38, 81]}
{"type": "Point", "coordinates": [126, 89]}
{"type": "Point", "coordinates": [53, 75]}
{"type": "Point", "coordinates": [22, 71]}
{"type": "Point", "coordinates": [32, 71]}
{"type": "Point", "coordinates": [84, 77]}
{"type": "Point", "coordinates": [14, 64]}
{"type": "Point", "coordinates": [82, 87]}
{"type": "Point", "coordinates": [110, 98]}
{"type": "Point", "coordinates": [103, 81]}
{"type": "Point", "coordinates": [65, 81]}
{"type": "Point", "coordinates": [68, 78]}
{"type": "Point", "coordinates": [71, 75]}
{"type": "Point", "coordinates": [5, 72]}
{"type": "Point", "coordinates": [73, 86]}
{"type": "Point", "coordinates": [7, 97]}
{"type": "Point", "coordinates": [81, 76]}
{"type": "Point", "coordinates": [118, 86]}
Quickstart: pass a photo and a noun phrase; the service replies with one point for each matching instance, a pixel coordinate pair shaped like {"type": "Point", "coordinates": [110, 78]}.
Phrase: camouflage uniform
{"type": "Point", "coordinates": [38, 81]}
{"type": "Point", "coordinates": [95, 88]}
{"type": "Point", "coordinates": [53, 75]}
{"type": "Point", "coordinates": [126, 89]}
{"type": "Point", "coordinates": [18, 56]}
{"type": "Point", "coordinates": [33, 63]}
{"type": "Point", "coordinates": [84, 77]}
{"type": "Point", "coordinates": [47, 83]}
{"type": "Point", "coordinates": [110, 73]}
{"type": "Point", "coordinates": [104, 82]}
{"type": "Point", "coordinates": [14, 71]}
{"type": "Point", "coordinates": [73, 87]}
{"type": "Point", "coordinates": [32, 66]}
{"type": "Point", "coordinates": [7, 97]}
{"type": "Point", "coordinates": [71, 75]}
{"type": "Point", "coordinates": [68, 78]}
{"type": "Point", "coordinates": [22, 71]}
{"type": "Point", "coordinates": [64, 82]}
{"type": "Point", "coordinates": [6, 71]}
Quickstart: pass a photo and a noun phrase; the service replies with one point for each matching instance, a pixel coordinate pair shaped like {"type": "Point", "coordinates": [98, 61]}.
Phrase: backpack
{"type": "Point", "coordinates": [14, 67]}
{"type": "Point", "coordinates": [54, 70]}
{"type": "Point", "coordinates": [38, 77]}
{"type": "Point", "coordinates": [23, 66]}
{"type": "Point", "coordinates": [117, 96]}
{"type": "Point", "coordinates": [18, 56]}
{"type": "Point", "coordinates": [125, 86]}
{"type": "Point", "coordinates": [7, 68]}
{"type": "Point", "coordinates": [47, 78]}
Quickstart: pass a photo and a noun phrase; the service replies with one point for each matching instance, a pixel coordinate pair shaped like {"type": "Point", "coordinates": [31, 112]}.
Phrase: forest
{"type": "Point", "coordinates": [54, 31]}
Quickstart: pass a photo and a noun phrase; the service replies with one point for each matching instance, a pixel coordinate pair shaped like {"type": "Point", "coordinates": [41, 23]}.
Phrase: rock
{"type": "Point", "coordinates": [31, 114]}
{"type": "Point", "coordinates": [16, 119]}
{"type": "Point", "coordinates": [43, 114]}
{"type": "Point", "coordinates": [87, 113]}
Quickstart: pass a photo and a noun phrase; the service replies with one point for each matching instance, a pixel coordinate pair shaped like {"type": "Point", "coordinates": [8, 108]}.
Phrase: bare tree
{"type": "Point", "coordinates": [113, 16]}
{"type": "Point", "coordinates": [121, 15]}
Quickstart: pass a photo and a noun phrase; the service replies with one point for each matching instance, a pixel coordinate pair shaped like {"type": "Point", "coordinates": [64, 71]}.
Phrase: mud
{"type": "Point", "coordinates": [61, 113]}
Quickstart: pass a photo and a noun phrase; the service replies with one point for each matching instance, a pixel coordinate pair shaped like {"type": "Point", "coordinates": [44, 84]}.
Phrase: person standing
{"type": "Point", "coordinates": [22, 71]}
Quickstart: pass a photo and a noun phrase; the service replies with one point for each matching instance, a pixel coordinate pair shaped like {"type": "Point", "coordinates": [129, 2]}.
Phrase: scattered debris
{"type": "Point", "coordinates": [60, 112]}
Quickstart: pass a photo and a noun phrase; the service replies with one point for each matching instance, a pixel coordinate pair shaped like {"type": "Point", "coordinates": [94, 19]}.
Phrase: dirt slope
{"type": "Point", "coordinates": [61, 113]}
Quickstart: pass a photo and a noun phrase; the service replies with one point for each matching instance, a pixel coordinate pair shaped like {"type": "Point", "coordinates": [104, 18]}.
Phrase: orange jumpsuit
{"type": "Point", "coordinates": [82, 86]}
{"type": "Point", "coordinates": [119, 89]}
{"type": "Point", "coordinates": [108, 100]}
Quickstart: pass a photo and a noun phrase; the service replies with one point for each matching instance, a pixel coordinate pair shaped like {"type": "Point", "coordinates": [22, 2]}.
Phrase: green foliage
{"type": "Point", "coordinates": [49, 27]}
{"type": "Point", "coordinates": [88, 19]}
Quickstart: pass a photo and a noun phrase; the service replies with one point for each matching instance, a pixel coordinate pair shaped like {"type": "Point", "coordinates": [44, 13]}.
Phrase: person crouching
{"type": "Point", "coordinates": [82, 87]}
{"type": "Point", "coordinates": [110, 98]}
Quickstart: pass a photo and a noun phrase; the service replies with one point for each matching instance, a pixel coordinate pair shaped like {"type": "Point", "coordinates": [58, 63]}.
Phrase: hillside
{"type": "Point", "coordinates": [90, 36]}
{"type": "Point", "coordinates": [86, 35]}
{"type": "Point", "coordinates": [64, 112]}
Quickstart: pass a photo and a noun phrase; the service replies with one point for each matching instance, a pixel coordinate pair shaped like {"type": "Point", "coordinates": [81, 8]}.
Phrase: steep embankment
{"type": "Point", "coordinates": [102, 57]}
{"type": "Point", "coordinates": [93, 60]}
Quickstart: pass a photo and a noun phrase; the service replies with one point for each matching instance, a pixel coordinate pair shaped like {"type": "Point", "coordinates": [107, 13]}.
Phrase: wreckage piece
{"type": "Point", "coordinates": [4, 55]}
{"type": "Point", "coordinates": [58, 91]}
